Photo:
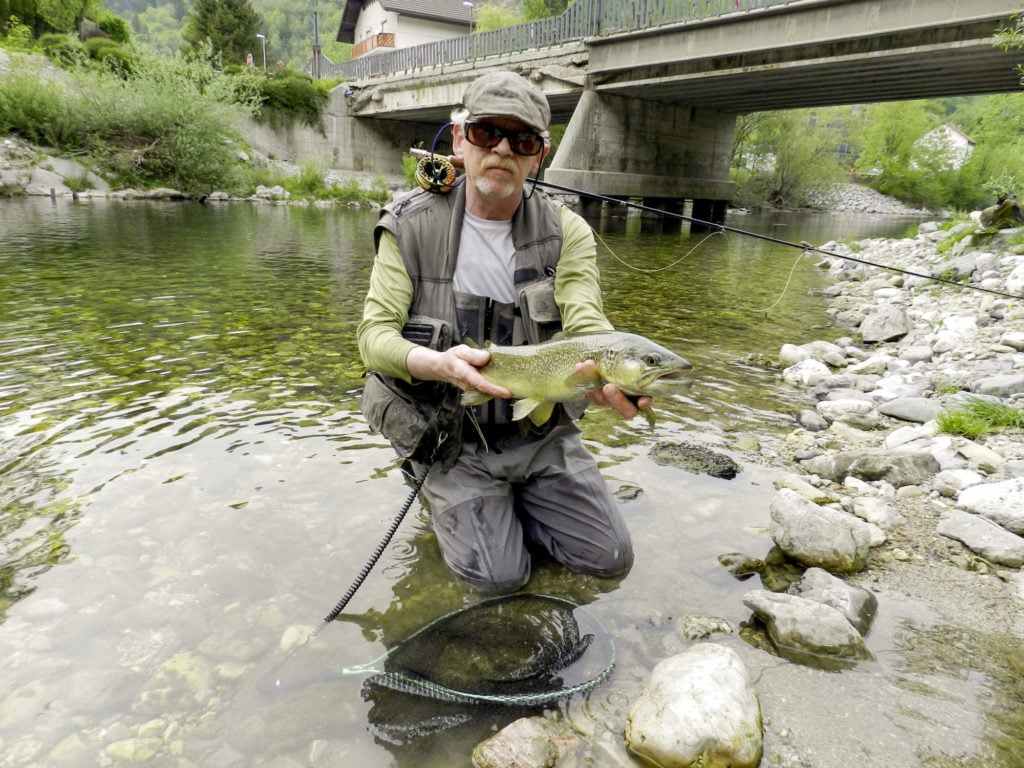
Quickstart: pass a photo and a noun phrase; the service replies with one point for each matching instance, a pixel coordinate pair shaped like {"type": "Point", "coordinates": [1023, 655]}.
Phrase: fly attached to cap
{"type": "Point", "coordinates": [506, 94]}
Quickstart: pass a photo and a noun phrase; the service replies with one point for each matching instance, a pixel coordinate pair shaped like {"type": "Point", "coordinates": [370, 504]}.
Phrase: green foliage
{"type": "Point", "coordinates": [115, 27]}
{"type": "Point", "coordinates": [979, 417]}
{"type": "Point", "coordinates": [17, 35]}
{"type": "Point", "coordinates": [293, 95]}
{"type": "Point", "coordinates": [172, 123]}
{"type": "Point", "coordinates": [64, 50]}
{"type": "Point", "coordinates": [543, 9]}
{"type": "Point", "coordinates": [78, 183]}
{"type": "Point", "coordinates": [787, 156]}
{"type": "Point", "coordinates": [308, 183]}
{"type": "Point", "coordinates": [58, 15]}
{"type": "Point", "coordinates": [352, 193]}
{"type": "Point", "coordinates": [495, 16]}
{"type": "Point", "coordinates": [230, 26]}
{"type": "Point", "coordinates": [409, 164]}
{"type": "Point", "coordinates": [158, 28]}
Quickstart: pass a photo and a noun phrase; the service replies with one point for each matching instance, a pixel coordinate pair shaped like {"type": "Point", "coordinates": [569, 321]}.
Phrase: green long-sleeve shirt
{"type": "Point", "coordinates": [386, 308]}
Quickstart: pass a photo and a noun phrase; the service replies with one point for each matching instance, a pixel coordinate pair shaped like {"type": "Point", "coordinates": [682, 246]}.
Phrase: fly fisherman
{"type": "Point", "coordinates": [490, 260]}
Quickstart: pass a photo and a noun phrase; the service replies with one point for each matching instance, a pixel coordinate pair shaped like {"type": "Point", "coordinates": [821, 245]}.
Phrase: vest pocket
{"type": "Point", "coordinates": [397, 416]}
{"type": "Point", "coordinates": [541, 315]}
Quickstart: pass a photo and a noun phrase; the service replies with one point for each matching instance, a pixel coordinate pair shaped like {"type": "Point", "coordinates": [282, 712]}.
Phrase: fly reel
{"type": "Point", "coordinates": [435, 174]}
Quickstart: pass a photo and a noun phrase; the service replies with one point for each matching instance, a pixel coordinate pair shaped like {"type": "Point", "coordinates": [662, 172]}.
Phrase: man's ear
{"type": "Point", "coordinates": [457, 141]}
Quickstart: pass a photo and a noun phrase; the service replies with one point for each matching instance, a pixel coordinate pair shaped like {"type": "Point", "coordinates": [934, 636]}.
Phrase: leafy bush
{"type": "Point", "coordinates": [115, 27]}
{"type": "Point", "coordinates": [63, 50]}
{"type": "Point", "coordinates": [17, 36]}
{"type": "Point", "coordinates": [94, 46]}
{"type": "Point", "coordinates": [170, 124]}
{"type": "Point", "coordinates": [295, 95]}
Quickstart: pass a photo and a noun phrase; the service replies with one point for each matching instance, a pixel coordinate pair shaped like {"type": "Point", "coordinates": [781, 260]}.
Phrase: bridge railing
{"type": "Point", "coordinates": [584, 18]}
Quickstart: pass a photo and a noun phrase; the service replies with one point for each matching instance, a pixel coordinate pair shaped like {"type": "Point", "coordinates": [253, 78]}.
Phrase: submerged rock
{"type": "Point", "coordinates": [856, 604]}
{"type": "Point", "coordinates": [696, 459]}
{"type": "Point", "coordinates": [807, 631]}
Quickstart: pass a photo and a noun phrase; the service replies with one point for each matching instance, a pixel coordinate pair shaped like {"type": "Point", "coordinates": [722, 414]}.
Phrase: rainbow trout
{"type": "Point", "coordinates": [540, 375]}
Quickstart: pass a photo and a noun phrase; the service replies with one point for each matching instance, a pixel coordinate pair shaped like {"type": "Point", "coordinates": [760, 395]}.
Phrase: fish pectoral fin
{"type": "Point", "coordinates": [582, 380]}
{"type": "Point", "coordinates": [473, 397]}
{"type": "Point", "coordinates": [538, 411]}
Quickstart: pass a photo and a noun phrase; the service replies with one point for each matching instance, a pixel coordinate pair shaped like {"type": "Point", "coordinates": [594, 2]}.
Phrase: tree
{"type": "Point", "coordinates": [159, 29]}
{"type": "Point", "coordinates": [892, 129]}
{"type": "Point", "coordinates": [543, 9]}
{"type": "Point", "coordinates": [790, 154]}
{"type": "Point", "coordinates": [230, 26]}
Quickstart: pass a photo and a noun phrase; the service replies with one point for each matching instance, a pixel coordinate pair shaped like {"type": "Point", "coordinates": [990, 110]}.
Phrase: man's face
{"type": "Point", "coordinates": [497, 174]}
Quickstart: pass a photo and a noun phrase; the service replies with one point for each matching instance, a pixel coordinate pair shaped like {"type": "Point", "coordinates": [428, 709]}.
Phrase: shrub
{"type": "Point", "coordinates": [168, 125]}
{"type": "Point", "coordinates": [63, 50]}
{"type": "Point", "coordinates": [115, 27]}
{"type": "Point", "coordinates": [94, 46]}
{"type": "Point", "coordinates": [294, 97]}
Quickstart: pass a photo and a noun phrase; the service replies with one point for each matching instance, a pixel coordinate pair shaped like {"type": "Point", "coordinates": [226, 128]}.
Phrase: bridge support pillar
{"type": "Point", "coordinates": [706, 213]}
{"type": "Point", "coordinates": [670, 221]}
{"type": "Point", "coordinates": [633, 148]}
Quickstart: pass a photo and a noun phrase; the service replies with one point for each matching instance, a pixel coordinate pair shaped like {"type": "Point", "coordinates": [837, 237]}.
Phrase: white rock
{"type": "Point", "coordinates": [698, 709]}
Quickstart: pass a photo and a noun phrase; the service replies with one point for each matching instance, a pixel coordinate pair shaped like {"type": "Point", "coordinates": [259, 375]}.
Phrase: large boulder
{"type": "Point", "coordinates": [698, 709]}
{"type": "Point", "coordinates": [819, 536]}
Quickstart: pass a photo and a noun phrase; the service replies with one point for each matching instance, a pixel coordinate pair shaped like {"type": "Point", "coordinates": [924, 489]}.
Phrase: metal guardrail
{"type": "Point", "coordinates": [583, 19]}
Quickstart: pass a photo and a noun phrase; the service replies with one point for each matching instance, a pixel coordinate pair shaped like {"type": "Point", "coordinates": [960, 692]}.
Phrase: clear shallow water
{"type": "Point", "coordinates": [185, 480]}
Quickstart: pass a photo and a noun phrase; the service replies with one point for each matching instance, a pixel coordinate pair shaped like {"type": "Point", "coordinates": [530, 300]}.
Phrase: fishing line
{"type": "Point", "coordinates": [778, 241]}
{"type": "Point", "coordinates": [785, 288]}
{"type": "Point", "coordinates": [678, 261]}
{"type": "Point", "coordinates": [722, 228]}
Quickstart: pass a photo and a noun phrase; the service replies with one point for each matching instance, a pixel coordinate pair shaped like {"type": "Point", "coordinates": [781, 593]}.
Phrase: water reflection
{"type": "Point", "coordinates": [186, 479]}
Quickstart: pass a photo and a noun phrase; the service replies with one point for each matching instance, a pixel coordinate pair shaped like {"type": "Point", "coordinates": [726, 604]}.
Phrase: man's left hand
{"type": "Point", "coordinates": [610, 396]}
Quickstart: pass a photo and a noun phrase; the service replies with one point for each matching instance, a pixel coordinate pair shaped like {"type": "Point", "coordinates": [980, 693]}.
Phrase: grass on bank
{"type": "Point", "coordinates": [979, 417]}
{"type": "Point", "coordinates": [310, 183]}
{"type": "Point", "coordinates": [170, 123]}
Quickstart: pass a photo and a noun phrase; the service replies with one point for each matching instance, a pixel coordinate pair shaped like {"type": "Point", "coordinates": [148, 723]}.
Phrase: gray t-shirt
{"type": "Point", "coordinates": [487, 259]}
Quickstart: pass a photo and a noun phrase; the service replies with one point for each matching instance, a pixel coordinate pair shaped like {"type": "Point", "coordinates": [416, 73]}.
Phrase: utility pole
{"type": "Point", "coordinates": [316, 40]}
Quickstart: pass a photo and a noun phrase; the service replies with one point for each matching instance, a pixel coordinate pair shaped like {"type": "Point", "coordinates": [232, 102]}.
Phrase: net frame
{"type": "Point", "coordinates": [418, 685]}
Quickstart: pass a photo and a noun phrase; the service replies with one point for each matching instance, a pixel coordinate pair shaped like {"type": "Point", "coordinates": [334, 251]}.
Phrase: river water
{"type": "Point", "coordinates": [186, 481]}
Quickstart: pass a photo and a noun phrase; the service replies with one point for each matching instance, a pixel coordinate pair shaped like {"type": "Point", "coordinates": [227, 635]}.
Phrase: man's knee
{"type": "Point", "coordinates": [495, 580]}
{"type": "Point", "coordinates": [606, 563]}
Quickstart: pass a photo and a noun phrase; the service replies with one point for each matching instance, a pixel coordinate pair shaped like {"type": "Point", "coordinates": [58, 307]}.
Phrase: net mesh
{"type": "Point", "coordinates": [519, 650]}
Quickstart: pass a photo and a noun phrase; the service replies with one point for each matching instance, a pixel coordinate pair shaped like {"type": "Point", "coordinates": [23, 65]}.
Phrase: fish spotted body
{"type": "Point", "coordinates": [540, 375]}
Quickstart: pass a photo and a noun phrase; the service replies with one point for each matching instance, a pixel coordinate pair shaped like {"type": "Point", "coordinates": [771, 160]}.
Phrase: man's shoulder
{"type": "Point", "coordinates": [416, 201]}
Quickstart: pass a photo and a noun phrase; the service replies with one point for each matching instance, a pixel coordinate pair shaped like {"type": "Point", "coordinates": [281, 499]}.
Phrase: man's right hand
{"type": "Point", "coordinates": [459, 365]}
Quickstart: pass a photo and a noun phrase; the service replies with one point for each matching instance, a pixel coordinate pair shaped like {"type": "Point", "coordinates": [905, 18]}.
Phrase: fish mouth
{"type": "Point", "coordinates": [670, 376]}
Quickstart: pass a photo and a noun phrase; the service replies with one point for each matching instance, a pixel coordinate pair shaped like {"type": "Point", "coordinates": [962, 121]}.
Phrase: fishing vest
{"type": "Point", "coordinates": [428, 229]}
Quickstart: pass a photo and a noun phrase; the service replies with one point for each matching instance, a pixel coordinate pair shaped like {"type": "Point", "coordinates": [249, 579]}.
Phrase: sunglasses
{"type": "Point", "coordinates": [488, 136]}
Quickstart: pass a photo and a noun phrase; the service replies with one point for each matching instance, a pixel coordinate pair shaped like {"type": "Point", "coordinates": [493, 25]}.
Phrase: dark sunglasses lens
{"type": "Point", "coordinates": [483, 135]}
{"type": "Point", "coordinates": [489, 136]}
{"type": "Point", "coordinates": [527, 143]}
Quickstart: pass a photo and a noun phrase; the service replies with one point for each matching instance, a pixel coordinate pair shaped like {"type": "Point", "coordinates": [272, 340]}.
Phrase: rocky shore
{"type": "Point", "coordinates": [876, 496]}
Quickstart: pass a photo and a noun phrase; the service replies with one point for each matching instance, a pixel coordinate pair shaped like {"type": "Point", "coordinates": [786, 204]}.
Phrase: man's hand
{"type": "Point", "coordinates": [458, 365]}
{"type": "Point", "coordinates": [610, 396]}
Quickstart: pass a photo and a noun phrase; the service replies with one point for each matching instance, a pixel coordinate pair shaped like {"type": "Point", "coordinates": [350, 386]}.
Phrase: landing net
{"type": "Point", "coordinates": [519, 650]}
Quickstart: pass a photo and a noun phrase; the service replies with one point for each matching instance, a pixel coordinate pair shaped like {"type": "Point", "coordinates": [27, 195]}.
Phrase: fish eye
{"type": "Point", "coordinates": [652, 359]}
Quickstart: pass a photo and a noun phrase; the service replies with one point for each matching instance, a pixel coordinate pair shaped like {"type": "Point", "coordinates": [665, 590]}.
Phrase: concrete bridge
{"type": "Point", "coordinates": [650, 89]}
